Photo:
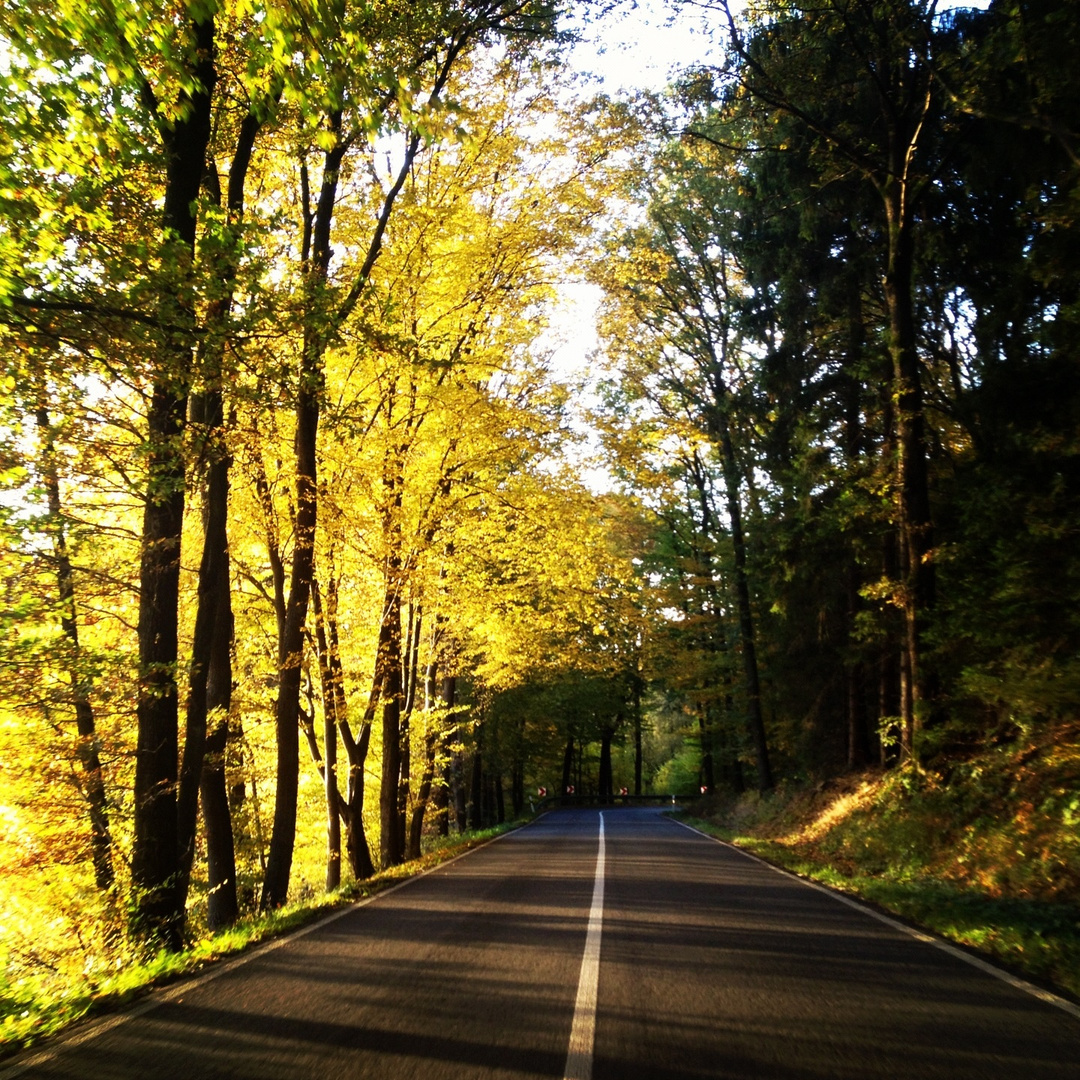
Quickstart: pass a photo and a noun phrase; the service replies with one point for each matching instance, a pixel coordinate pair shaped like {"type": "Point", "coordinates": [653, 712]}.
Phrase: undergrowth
{"type": "Point", "coordinates": [47, 995]}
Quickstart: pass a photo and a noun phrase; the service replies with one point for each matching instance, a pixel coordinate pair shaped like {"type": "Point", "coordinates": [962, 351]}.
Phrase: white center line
{"type": "Point", "coordinates": [579, 1059]}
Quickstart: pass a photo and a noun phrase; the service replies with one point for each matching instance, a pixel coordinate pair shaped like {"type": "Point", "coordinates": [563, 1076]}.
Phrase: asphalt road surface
{"type": "Point", "coordinates": [709, 964]}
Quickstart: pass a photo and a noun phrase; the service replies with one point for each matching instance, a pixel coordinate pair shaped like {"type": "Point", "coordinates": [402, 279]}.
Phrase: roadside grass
{"type": "Point", "coordinates": [34, 1008]}
{"type": "Point", "coordinates": [985, 853]}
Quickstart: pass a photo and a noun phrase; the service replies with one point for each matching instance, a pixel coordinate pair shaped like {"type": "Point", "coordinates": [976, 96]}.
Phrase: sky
{"type": "Point", "coordinates": [642, 44]}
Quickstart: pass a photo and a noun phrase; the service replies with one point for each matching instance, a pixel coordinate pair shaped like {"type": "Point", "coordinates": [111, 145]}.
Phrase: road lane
{"type": "Point", "coordinates": [469, 971]}
{"type": "Point", "coordinates": [716, 966]}
{"type": "Point", "coordinates": [711, 965]}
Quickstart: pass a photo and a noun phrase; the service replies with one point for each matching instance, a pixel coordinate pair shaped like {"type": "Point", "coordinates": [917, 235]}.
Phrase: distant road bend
{"type": "Point", "coordinates": [611, 947]}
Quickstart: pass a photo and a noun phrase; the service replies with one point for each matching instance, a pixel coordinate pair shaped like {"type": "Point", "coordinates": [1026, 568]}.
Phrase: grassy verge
{"type": "Point", "coordinates": [32, 1010]}
{"type": "Point", "coordinates": [986, 855]}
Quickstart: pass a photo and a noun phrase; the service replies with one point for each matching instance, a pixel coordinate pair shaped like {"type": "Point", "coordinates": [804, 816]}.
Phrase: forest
{"type": "Point", "coordinates": [313, 554]}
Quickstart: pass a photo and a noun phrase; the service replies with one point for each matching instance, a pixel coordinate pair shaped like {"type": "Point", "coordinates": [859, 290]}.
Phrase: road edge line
{"type": "Point", "coordinates": [102, 1026]}
{"type": "Point", "coordinates": [1048, 997]}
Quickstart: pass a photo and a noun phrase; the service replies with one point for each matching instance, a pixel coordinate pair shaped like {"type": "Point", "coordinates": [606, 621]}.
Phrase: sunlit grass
{"type": "Point", "coordinates": [50, 993]}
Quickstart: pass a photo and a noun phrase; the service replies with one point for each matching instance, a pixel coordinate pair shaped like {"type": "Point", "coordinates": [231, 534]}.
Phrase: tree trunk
{"type": "Point", "coordinates": [392, 841]}
{"type": "Point", "coordinates": [636, 692]}
{"type": "Point", "coordinates": [713, 608]}
{"type": "Point", "coordinates": [411, 675]}
{"type": "Point", "coordinates": [210, 672]}
{"type": "Point", "coordinates": [287, 707]}
{"type": "Point", "coordinates": [88, 748]}
{"type": "Point", "coordinates": [356, 748]}
{"type": "Point", "coordinates": [708, 773]}
{"type": "Point", "coordinates": [567, 765]}
{"type": "Point", "coordinates": [728, 752]}
{"type": "Point", "coordinates": [213, 581]}
{"type": "Point", "coordinates": [441, 798]}
{"type": "Point", "coordinates": [349, 809]}
{"type": "Point", "coordinates": [858, 737]}
{"type": "Point", "coordinates": [605, 781]}
{"type": "Point", "coordinates": [155, 858]}
{"type": "Point", "coordinates": [356, 843]}
{"type": "Point", "coordinates": [223, 903]}
{"type": "Point", "coordinates": [476, 801]}
{"type": "Point", "coordinates": [155, 853]}
{"type": "Point", "coordinates": [517, 788]}
{"type": "Point", "coordinates": [858, 743]}
{"type": "Point", "coordinates": [214, 612]}
{"type": "Point", "coordinates": [331, 721]}
{"type": "Point", "coordinates": [433, 739]}
{"type": "Point", "coordinates": [316, 261]}
{"type": "Point", "coordinates": [746, 618]}
{"type": "Point", "coordinates": [461, 815]}
{"type": "Point", "coordinates": [416, 821]}
{"type": "Point", "coordinates": [333, 819]}
{"type": "Point", "coordinates": [441, 802]}
{"type": "Point", "coordinates": [916, 524]}
{"type": "Point", "coordinates": [404, 784]}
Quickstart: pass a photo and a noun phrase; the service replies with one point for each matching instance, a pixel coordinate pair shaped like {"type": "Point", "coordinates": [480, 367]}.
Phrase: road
{"type": "Point", "coordinates": [711, 964]}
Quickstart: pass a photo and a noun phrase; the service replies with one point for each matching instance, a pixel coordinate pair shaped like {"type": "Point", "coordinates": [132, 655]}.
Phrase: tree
{"type": "Point", "coordinates": [880, 60]}
{"type": "Point", "coordinates": [674, 288]}
{"type": "Point", "coordinates": [89, 750]}
{"type": "Point", "coordinates": [175, 104]}
{"type": "Point", "coordinates": [146, 92]}
{"type": "Point", "coordinates": [447, 33]}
